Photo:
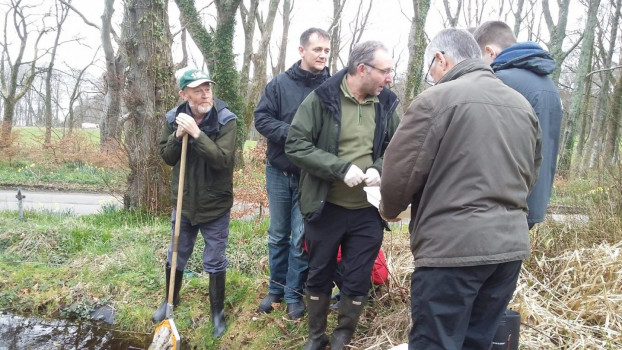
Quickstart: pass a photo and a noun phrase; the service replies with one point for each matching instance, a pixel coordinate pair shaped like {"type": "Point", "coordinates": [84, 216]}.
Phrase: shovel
{"type": "Point", "coordinates": [166, 335]}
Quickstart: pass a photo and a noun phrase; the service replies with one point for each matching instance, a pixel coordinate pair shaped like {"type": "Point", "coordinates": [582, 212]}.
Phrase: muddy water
{"type": "Point", "coordinates": [18, 333]}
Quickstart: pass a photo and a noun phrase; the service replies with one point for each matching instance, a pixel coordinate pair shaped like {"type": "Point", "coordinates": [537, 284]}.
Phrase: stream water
{"type": "Point", "coordinates": [18, 333]}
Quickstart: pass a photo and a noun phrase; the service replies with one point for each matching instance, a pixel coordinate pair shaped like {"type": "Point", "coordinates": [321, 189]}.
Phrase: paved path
{"type": "Point", "coordinates": [78, 203]}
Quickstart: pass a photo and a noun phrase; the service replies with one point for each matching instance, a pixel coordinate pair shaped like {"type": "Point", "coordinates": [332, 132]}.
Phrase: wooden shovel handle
{"type": "Point", "coordinates": [180, 198]}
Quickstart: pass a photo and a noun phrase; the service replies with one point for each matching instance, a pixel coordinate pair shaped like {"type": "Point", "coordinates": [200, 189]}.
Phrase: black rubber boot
{"type": "Point", "coordinates": [350, 309]}
{"type": "Point", "coordinates": [317, 310]}
{"type": "Point", "coordinates": [160, 313]}
{"type": "Point", "coordinates": [217, 302]}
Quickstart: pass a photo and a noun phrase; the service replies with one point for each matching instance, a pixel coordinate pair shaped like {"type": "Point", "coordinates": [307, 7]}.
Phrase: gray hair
{"type": "Point", "coordinates": [457, 44]}
{"type": "Point", "coordinates": [364, 53]}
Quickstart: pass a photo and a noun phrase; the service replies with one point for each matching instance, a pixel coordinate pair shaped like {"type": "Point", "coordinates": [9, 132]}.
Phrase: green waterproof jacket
{"type": "Point", "coordinates": [313, 141]}
{"type": "Point", "coordinates": [208, 186]}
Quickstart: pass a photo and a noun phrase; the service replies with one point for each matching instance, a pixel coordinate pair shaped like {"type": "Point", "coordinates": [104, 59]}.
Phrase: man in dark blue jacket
{"type": "Point", "coordinates": [525, 67]}
{"type": "Point", "coordinates": [273, 116]}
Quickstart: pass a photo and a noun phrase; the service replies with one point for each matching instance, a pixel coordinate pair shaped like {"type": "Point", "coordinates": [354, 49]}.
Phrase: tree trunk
{"type": "Point", "coordinates": [452, 19]}
{"type": "Point", "coordinates": [248, 24]}
{"type": "Point", "coordinates": [593, 147]}
{"type": "Point", "coordinates": [224, 68]}
{"type": "Point", "coordinates": [9, 91]}
{"type": "Point", "coordinates": [287, 10]}
{"type": "Point", "coordinates": [150, 92]}
{"type": "Point", "coordinates": [115, 66]}
{"type": "Point", "coordinates": [335, 35]}
{"type": "Point", "coordinates": [557, 34]}
{"type": "Point", "coordinates": [577, 96]}
{"type": "Point", "coordinates": [259, 59]}
{"type": "Point", "coordinates": [61, 15]}
{"type": "Point", "coordinates": [518, 16]}
{"type": "Point", "coordinates": [612, 142]}
{"type": "Point", "coordinates": [416, 50]}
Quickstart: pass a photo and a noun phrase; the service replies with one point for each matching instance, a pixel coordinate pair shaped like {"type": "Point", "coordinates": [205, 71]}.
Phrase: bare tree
{"type": "Point", "coordinates": [260, 57]}
{"type": "Point", "coordinates": [114, 77]}
{"type": "Point", "coordinates": [248, 24]}
{"type": "Point", "coordinates": [614, 121]}
{"type": "Point", "coordinates": [61, 12]}
{"type": "Point", "coordinates": [452, 19]}
{"type": "Point", "coordinates": [557, 34]}
{"type": "Point", "coordinates": [416, 45]}
{"type": "Point", "coordinates": [358, 24]}
{"type": "Point", "coordinates": [518, 18]}
{"type": "Point", "coordinates": [335, 34]}
{"type": "Point", "coordinates": [288, 5]}
{"type": "Point", "coordinates": [149, 93]}
{"type": "Point", "coordinates": [109, 132]}
{"type": "Point", "coordinates": [15, 77]}
{"type": "Point", "coordinates": [577, 96]}
{"type": "Point", "coordinates": [75, 96]}
{"type": "Point", "coordinates": [594, 144]}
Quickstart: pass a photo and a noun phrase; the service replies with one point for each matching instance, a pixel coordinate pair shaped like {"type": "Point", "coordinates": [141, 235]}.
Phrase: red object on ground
{"type": "Point", "coordinates": [380, 272]}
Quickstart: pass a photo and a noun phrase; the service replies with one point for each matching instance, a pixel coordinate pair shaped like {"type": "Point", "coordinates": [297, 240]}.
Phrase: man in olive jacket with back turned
{"type": "Point", "coordinates": [466, 155]}
{"type": "Point", "coordinates": [208, 186]}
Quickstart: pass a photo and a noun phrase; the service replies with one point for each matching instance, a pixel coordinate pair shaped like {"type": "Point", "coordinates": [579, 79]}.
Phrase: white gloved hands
{"type": "Point", "coordinates": [186, 124]}
{"type": "Point", "coordinates": [354, 176]}
{"type": "Point", "coordinates": [372, 177]}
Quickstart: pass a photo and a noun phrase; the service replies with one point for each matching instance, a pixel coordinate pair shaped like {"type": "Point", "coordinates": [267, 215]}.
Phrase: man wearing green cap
{"type": "Point", "coordinates": [208, 192]}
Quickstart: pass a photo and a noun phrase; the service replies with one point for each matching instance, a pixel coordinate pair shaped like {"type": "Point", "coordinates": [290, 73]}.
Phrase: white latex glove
{"type": "Point", "coordinates": [372, 177]}
{"type": "Point", "coordinates": [186, 124]}
{"type": "Point", "coordinates": [354, 176]}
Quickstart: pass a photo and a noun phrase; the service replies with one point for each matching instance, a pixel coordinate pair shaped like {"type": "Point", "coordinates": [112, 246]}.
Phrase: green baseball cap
{"type": "Point", "coordinates": [194, 78]}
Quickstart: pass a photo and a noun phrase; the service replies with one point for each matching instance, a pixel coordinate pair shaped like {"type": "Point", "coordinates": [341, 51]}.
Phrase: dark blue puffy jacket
{"type": "Point", "coordinates": [526, 67]}
{"type": "Point", "coordinates": [276, 109]}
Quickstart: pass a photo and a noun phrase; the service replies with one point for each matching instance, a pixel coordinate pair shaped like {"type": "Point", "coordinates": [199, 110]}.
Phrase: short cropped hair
{"type": "Point", "coordinates": [304, 37]}
{"type": "Point", "coordinates": [494, 32]}
{"type": "Point", "coordinates": [457, 44]}
{"type": "Point", "coordinates": [363, 53]}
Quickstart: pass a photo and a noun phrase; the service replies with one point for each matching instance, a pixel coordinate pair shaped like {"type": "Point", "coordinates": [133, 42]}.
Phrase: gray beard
{"type": "Point", "coordinates": [205, 110]}
{"type": "Point", "coordinates": [201, 109]}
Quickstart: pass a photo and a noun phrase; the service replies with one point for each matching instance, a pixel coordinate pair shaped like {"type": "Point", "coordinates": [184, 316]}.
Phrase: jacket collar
{"type": "Point", "coordinates": [310, 79]}
{"type": "Point", "coordinates": [217, 116]}
{"type": "Point", "coordinates": [329, 94]}
{"type": "Point", "coordinates": [527, 55]}
{"type": "Point", "coordinates": [464, 67]}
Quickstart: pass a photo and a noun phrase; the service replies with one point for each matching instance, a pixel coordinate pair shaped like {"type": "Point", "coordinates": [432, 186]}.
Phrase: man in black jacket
{"type": "Point", "coordinates": [525, 67]}
{"type": "Point", "coordinates": [273, 116]}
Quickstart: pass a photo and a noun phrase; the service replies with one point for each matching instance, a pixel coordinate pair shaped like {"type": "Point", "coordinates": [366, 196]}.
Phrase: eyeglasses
{"type": "Point", "coordinates": [387, 72]}
{"type": "Point", "coordinates": [427, 74]}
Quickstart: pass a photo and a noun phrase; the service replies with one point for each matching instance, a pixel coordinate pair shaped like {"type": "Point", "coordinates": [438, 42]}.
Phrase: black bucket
{"type": "Point", "coordinates": [506, 337]}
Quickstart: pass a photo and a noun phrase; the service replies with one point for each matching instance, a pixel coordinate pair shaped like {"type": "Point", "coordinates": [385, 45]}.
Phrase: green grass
{"type": "Point", "coordinates": [53, 261]}
{"type": "Point", "coordinates": [34, 136]}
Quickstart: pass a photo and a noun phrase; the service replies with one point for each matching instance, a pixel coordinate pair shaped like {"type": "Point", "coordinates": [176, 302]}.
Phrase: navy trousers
{"type": "Point", "coordinates": [359, 232]}
{"type": "Point", "coordinates": [457, 308]}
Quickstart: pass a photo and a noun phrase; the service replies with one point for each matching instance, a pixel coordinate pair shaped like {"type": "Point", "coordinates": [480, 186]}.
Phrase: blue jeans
{"type": "Point", "coordinates": [287, 258]}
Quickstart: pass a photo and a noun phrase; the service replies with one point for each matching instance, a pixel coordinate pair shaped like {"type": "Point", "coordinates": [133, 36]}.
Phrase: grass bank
{"type": "Point", "coordinates": [66, 163]}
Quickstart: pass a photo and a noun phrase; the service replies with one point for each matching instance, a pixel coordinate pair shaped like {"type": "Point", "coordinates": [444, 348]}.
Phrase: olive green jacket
{"type": "Point", "coordinates": [313, 141]}
{"type": "Point", "coordinates": [208, 187]}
